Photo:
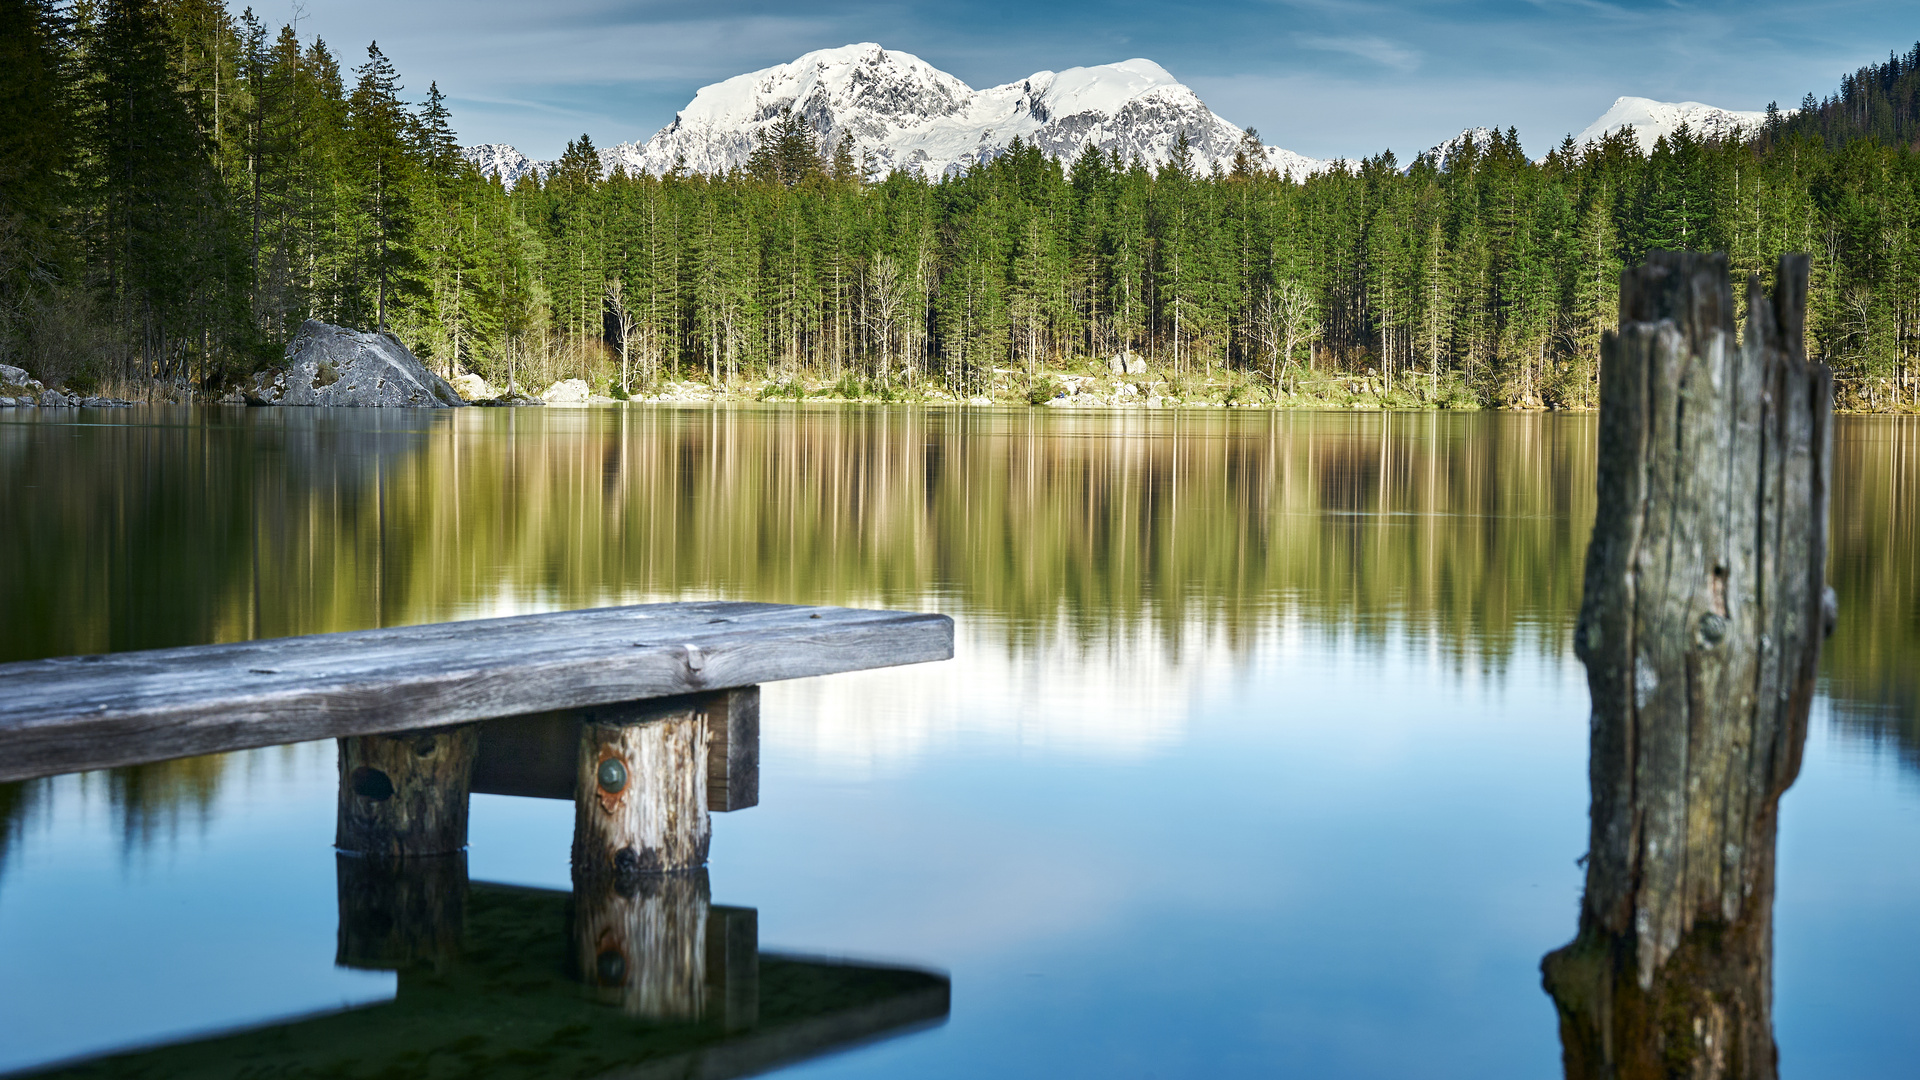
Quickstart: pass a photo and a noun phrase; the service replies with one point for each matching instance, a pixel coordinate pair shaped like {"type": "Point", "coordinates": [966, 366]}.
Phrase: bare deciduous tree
{"type": "Point", "coordinates": [623, 318]}
{"type": "Point", "coordinates": [1285, 318]}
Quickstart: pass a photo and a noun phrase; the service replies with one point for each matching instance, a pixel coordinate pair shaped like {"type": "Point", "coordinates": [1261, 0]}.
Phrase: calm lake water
{"type": "Point", "coordinates": [1263, 751]}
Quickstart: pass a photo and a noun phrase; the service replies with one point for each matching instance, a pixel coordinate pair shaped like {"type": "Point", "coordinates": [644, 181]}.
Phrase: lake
{"type": "Point", "coordinates": [1263, 751]}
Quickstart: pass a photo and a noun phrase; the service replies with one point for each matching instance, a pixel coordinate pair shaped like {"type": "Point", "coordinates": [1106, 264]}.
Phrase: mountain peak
{"type": "Point", "coordinates": [1650, 120]}
{"type": "Point", "coordinates": [903, 113]}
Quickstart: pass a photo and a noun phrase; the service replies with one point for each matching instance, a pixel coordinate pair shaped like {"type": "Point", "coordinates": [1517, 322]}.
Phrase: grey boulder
{"type": "Point", "coordinates": [332, 365]}
{"type": "Point", "coordinates": [18, 383]}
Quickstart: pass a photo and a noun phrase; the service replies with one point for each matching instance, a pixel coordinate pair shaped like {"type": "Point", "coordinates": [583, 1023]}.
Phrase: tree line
{"type": "Point", "coordinates": [183, 186]}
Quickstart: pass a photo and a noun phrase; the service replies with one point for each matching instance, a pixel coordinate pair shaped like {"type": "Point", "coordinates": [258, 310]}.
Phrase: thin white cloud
{"type": "Point", "coordinates": [1367, 47]}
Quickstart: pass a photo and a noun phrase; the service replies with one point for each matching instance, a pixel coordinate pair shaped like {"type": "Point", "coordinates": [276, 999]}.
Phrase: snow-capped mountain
{"type": "Point", "coordinates": [499, 159]}
{"type": "Point", "coordinates": [902, 112]}
{"type": "Point", "coordinates": [1651, 119]}
{"type": "Point", "coordinates": [1480, 137]}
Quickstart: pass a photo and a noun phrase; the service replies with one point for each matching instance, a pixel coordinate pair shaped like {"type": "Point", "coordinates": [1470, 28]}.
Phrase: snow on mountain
{"type": "Point", "coordinates": [903, 113]}
{"type": "Point", "coordinates": [1481, 138]}
{"type": "Point", "coordinates": [499, 159]}
{"type": "Point", "coordinates": [1651, 119]}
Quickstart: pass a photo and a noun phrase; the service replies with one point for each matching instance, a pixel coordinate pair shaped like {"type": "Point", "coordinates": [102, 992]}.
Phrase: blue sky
{"type": "Point", "coordinates": [1323, 78]}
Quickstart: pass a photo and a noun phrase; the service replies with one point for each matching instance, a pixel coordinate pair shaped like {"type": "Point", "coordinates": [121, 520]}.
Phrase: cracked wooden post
{"type": "Point", "coordinates": [404, 795]}
{"type": "Point", "coordinates": [640, 792]}
{"type": "Point", "coordinates": [1704, 610]}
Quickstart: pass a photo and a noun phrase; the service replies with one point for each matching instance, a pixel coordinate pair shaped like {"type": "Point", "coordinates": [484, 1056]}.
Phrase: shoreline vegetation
{"type": "Point", "coordinates": [187, 186]}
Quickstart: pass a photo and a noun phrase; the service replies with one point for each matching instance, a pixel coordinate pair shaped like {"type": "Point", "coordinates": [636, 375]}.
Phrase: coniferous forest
{"type": "Point", "coordinates": [181, 186]}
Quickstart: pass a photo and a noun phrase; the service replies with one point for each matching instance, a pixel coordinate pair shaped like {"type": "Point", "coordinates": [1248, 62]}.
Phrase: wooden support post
{"type": "Point", "coordinates": [400, 913]}
{"type": "Point", "coordinates": [733, 749]}
{"type": "Point", "coordinates": [1704, 610]}
{"type": "Point", "coordinates": [405, 795]}
{"type": "Point", "coordinates": [640, 803]}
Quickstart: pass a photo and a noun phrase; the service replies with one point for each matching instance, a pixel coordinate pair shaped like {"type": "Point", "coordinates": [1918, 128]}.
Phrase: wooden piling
{"type": "Point", "coordinates": [1705, 606]}
{"type": "Point", "coordinates": [640, 792]}
{"type": "Point", "coordinates": [405, 795]}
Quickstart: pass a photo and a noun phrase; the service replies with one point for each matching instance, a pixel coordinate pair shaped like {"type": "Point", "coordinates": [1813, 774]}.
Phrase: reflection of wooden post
{"type": "Point", "coordinates": [733, 967]}
{"type": "Point", "coordinates": [395, 913]}
{"type": "Point", "coordinates": [1701, 629]}
{"type": "Point", "coordinates": [640, 802]}
{"type": "Point", "coordinates": [405, 794]}
{"type": "Point", "coordinates": [663, 952]}
{"type": "Point", "coordinates": [645, 948]}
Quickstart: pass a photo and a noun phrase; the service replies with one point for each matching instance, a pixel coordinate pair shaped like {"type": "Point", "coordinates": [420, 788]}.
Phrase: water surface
{"type": "Point", "coordinates": [1263, 751]}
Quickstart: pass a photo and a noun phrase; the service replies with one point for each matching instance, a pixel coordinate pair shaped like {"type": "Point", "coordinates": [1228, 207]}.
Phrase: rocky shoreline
{"type": "Point", "coordinates": [18, 390]}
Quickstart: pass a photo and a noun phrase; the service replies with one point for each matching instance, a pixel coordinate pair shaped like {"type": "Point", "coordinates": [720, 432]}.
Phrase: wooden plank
{"type": "Point", "coordinates": [92, 712]}
{"type": "Point", "coordinates": [532, 756]}
{"type": "Point", "coordinates": [733, 750]}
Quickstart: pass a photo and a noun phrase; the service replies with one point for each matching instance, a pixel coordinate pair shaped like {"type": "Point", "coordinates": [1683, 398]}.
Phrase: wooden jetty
{"type": "Point", "coordinates": [93, 712]}
{"type": "Point", "coordinates": [646, 717]}
{"type": "Point", "coordinates": [658, 703]}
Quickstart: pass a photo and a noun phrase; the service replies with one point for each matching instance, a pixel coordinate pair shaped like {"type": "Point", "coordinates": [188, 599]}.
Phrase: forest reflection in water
{"type": "Point", "coordinates": [1063, 533]}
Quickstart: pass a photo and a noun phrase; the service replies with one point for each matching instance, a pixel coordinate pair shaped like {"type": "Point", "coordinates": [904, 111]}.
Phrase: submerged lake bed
{"type": "Point", "coordinates": [1263, 749]}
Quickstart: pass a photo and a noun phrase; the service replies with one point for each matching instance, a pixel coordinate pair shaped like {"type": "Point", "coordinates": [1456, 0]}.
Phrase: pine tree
{"type": "Point", "coordinates": [35, 150]}
{"type": "Point", "coordinates": [379, 134]}
{"type": "Point", "coordinates": [787, 152]}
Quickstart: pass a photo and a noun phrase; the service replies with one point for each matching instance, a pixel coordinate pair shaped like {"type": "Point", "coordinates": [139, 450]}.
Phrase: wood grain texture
{"type": "Point", "coordinates": [1701, 628]}
{"type": "Point", "coordinates": [640, 794]}
{"type": "Point", "coordinates": [92, 712]}
{"type": "Point", "coordinates": [733, 749]}
{"type": "Point", "coordinates": [405, 795]}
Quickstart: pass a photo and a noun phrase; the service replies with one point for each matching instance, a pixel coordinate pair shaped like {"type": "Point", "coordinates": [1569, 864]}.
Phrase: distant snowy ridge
{"type": "Point", "coordinates": [499, 159]}
{"type": "Point", "coordinates": [1481, 139]}
{"type": "Point", "coordinates": [1650, 120]}
{"type": "Point", "coordinates": [904, 113]}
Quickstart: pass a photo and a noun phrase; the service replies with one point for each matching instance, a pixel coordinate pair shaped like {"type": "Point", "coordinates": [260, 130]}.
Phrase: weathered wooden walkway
{"type": "Point", "coordinates": [92, 712]}
{"type": "Point", "coordinates": [646, 717]}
